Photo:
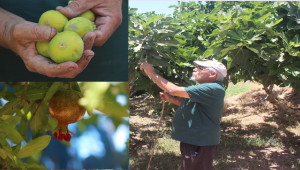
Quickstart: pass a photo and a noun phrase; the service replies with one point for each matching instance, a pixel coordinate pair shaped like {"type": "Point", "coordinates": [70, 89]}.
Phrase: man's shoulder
{"type": "Point", "coordinates": [216, 84]}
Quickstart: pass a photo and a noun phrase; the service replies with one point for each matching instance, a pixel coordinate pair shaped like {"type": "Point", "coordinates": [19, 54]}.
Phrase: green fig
{"type": "Point", "coordinates": [80, 25]}
{"type": "Point", "coordinates": [54, 19]}
{"type": "Point", "coordinates": [66, 46]}
{"type": "Point", "coordinates": [88, 15]}
{"type": "Point", "coordinates": [43, 48]}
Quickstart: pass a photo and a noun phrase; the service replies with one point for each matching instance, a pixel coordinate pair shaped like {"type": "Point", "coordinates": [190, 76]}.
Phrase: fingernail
{"type": "Point", "coordinates": [53, 32]}
{"type": "Point", "coordinates": [58, 8]}
{"type": "Point", "coordinates": [71, 68]}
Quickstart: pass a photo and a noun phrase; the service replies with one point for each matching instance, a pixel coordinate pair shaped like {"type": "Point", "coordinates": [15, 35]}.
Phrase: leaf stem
{"type": "Point", "coordinates": [34, 113]}
{"type": "Point", "coordinates": [23, 96]}
{"type": "Point", "coordinates": [70, 85]}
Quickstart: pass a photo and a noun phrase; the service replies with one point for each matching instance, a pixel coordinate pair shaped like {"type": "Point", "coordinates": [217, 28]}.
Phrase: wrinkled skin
{"type": "Point", "coordinates": [108, 15]}
{"type": "Point", "coordinates": [21, 36]}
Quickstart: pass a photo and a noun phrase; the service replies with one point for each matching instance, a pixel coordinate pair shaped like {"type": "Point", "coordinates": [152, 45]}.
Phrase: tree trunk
{"type": "Point", "coordinates": [272, 98]}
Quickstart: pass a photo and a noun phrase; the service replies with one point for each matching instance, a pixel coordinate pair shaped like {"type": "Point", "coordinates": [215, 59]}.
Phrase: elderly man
{"type": "Point", "coordinates": [196, 123]}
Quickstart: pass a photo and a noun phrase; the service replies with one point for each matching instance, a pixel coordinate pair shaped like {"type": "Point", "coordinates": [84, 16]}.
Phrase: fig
{"type": "Point", "coordinates": [88, 15]}
{"type": "Point", "coordinates": [66, 46]}
{"type": "Point", "coordinates": [80, 25]}
{"type": "Point", "coordinates": [64, 107]}
{"type": "Point", "coordinates": [43, 48]}
{"type": "Point", "coordinates": [54, 19]}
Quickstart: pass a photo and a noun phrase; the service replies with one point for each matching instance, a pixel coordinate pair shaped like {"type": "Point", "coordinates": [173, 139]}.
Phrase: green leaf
{"type": "Point", "coordinates": [10, 132]}
{"type": "Point", "coordinates": [53, 88]}
{"type": "Point", "coordinates": [100, 96]}
{"type": "Point", "coordinates": [10, 107]}
{"type": "Point", "coordinates": [13, 120]}
{"type": "Point", "coordinates": [34, 146]}
{"type": "Point", "coordinates": [3, 154]}
{"type": "Point", "coordinates": [3, 92]}
{"type": "Point", "coordinates": [34, 166]}
{"type": "Point", "coordinates": [40, 120]}
{"type": "Point", "coordinates": [226, 50]}
{"type": "Point", "coordinates": [253, 50]}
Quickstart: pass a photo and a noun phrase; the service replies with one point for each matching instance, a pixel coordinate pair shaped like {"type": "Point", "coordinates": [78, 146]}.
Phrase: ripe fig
{"type": "Point", "coordinates": [54, 19]}
{"type": "Point", "coordinates": [43, 48]}
{"type": "Point", "coordinates": [66, 46]}
{"type": "Point", "coordinates": [80, 25]}
{"type": "Point", "coordinates": [88, 15]}
{"type": "Point", "coordinates": [65, 108]}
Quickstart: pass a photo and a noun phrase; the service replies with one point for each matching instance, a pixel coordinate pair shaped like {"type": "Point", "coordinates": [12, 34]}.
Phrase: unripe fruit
{"type": "Point", "coordinates": [54, 19]}
{"type": "Point", "coordinates": [66, 46]}
{"type": "Point", "coordinates": [43, 48]}
{"type": "Point", "coordinates": [80, 25]}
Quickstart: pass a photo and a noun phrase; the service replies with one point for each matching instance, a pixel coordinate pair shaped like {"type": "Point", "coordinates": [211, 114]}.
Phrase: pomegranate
{"type": "Point", "coordinates": [64, 107]}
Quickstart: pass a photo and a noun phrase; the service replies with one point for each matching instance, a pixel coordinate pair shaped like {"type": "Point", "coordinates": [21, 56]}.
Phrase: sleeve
{"type": "Point", "coordinates": [201, 93]}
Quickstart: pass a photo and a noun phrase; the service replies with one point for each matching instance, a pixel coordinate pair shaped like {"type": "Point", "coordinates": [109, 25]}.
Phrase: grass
{"type": "Point", "coordinates": [239, 88]}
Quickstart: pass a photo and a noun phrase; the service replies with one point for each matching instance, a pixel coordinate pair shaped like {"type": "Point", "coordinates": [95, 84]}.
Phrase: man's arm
{"type": "Point", "coordinates": [168, 98]}
{"type": "Point", "coordinates": [164, 84]}
{"type": "Point", "coordinates": [7, 23]}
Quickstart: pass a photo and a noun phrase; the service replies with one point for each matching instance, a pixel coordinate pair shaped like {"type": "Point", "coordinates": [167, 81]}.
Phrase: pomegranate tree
{"type": "Point", "coordinates": [64, 107]}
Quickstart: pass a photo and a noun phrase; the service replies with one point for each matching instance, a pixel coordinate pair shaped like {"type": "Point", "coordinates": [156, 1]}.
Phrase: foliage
{"type": "Point", "coordinates": [256, 40]}
{"type": "Point", "coordinates": [26, 111]}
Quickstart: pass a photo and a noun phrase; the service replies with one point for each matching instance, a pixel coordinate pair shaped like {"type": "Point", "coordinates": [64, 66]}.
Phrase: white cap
{"type": "Point", "coordinates": [219, 67]}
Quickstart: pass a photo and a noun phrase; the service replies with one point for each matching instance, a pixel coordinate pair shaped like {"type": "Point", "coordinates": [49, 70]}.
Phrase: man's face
{"type": "Point", "coordinates": [201, 74]}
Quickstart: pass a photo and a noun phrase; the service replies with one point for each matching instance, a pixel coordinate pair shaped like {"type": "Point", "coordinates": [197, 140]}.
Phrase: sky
{"type": "Point", "coordinates": [159, 6]}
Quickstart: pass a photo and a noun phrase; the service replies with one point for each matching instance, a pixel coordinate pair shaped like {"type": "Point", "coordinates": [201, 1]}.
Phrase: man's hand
{"type": "Point", "coordinates": [23, 40]}
{"type": "Point", "coordinates": [108, 15]}
{"type": "Point", "coordinates": [146, 67]}
{"type": "Point", "coordinates": [164, 96]}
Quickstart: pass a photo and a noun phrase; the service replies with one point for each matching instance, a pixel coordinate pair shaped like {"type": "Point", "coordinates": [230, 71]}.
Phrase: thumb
{"type": "Point", "coordinates": [74, 8]}
{"type": "Point", "coordinates": [35, 32]}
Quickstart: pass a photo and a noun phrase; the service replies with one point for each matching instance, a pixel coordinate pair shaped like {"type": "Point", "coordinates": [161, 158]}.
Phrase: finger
{"type": "Point", "coordinates": [89, 39]}
{"type": "Point", "coordinates": [35, 32]}
{"type": "Point", "coordinates": [74, 8]}
{"type": "Point", "coordinates": [85, 59]}
{"type": "Point", "coordinates": [82, 63]}
{"type": "Point", "coordinates": [47, 67]}
{"type": "Point", "coordinates": [105, 28]}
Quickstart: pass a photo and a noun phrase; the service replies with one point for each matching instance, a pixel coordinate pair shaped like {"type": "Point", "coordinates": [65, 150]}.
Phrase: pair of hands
{"type": "Point", "coordinates": [24, 36]}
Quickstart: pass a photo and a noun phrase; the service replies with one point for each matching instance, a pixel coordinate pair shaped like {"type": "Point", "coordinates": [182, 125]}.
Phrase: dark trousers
{"type": "Point", "coordinates": [197, 157]}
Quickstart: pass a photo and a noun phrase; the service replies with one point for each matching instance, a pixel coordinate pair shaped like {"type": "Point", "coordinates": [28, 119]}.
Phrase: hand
{"type": "Point", "coordinates": [164, 96]}
{"type": "Point", "coordinates": [146, 67]}
{"type": "Point", "coordinates": [23, 39]}
{"type": "Point", "coordinates": [108, 15]}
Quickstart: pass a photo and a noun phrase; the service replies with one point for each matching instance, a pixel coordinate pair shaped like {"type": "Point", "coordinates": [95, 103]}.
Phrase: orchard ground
{"type": "Point", "coordinates": [254, 134]}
